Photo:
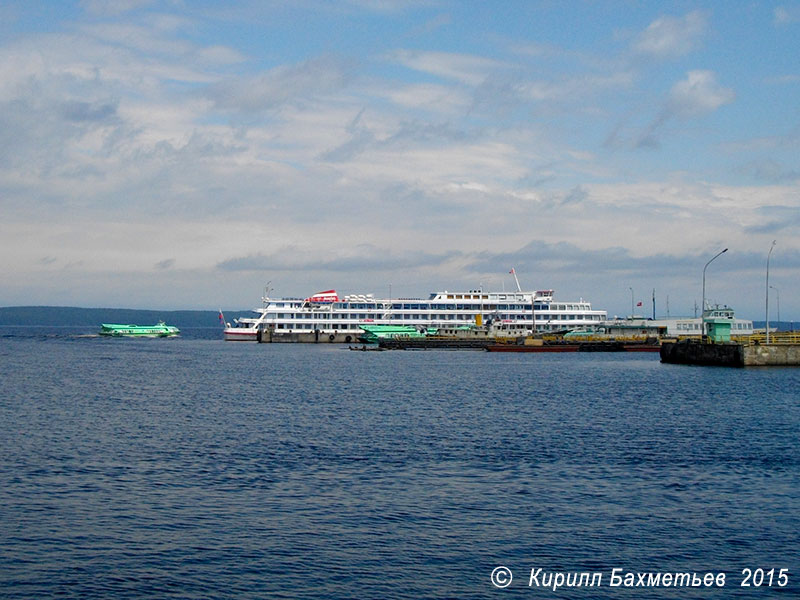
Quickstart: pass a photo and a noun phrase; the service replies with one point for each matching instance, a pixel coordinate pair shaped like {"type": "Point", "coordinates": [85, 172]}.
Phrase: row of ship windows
{"type": "Point", "coordinates": [696, 326]}
{"type": "Point", "coordinates": [354, 327]}
{"type": "Point", "coordinates": [427, 317]}
{"type": "Point", "coordinates": [426, 306]}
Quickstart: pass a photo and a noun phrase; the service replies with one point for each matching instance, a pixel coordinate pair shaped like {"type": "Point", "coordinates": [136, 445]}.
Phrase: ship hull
{"type": "Point", "coordinates": [235, 334]}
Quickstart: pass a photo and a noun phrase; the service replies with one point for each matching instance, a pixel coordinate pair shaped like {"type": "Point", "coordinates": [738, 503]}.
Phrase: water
{"type": "Point", "coordinates": [195, 468]}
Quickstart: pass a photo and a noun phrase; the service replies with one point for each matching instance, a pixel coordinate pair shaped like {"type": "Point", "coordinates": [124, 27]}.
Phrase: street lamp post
{"type": "Point", "coordinates": [631, 289]}
{"type": "Point", "coordinates": [778, 299]}
{"type": "Point", "coordinates": [703, 306]}
{"type": "Point", "coordinates": [767, 303]}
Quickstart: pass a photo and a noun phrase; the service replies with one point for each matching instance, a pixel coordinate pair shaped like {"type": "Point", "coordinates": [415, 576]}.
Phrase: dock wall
{"type": "Point", "coordinates": [772, 355]}
{"type": "Point", "coordinates": [690, 352]}
{"type": "Point", "coordinates": [730, 354]}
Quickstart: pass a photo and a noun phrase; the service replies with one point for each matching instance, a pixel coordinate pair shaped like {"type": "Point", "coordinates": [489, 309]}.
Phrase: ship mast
{"type": "Point", "coordinates": [514, 273]}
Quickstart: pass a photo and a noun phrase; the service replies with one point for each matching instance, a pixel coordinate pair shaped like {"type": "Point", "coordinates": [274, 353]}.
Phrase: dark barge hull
{"type": "Point", "coordinates": [580, 347]}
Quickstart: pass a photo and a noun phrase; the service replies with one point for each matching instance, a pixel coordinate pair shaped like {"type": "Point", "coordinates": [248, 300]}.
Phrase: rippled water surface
{"type": "Point", "coordinates": [195, 468]}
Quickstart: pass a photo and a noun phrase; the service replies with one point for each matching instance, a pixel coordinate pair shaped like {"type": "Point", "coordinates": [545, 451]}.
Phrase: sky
{"type": "Point", "coordinates": [188, 155]}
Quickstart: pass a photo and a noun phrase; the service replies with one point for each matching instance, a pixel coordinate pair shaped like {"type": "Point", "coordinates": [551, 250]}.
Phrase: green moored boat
{"type": "Point", "coordinates": [160, 329]}
{"type": "Point", "coordinates": [374, 333]}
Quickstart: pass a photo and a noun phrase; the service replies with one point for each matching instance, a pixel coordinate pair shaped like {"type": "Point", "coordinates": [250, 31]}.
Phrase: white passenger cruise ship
{"type": "Point", "coordinates": [327, 317]}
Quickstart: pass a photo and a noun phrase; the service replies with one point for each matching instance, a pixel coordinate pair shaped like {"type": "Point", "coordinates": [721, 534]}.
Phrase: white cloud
{"type": "Point", "coordinates": [783, 80]}
{"type": "Point", "coordinates": [270, 89]}
{"type": "Point", "coordinates": [669, 37]}
{"type": "Point", "coordinates": [391, 6]}
{"type": "Point", "coordinates": [786, 15]}
{"type": "Point", "coordinates": [430, 97]}
{"type": "Point", "coordinates": [463, 68]}
{"type": "Point", "coordinates": [698, 94]}
{"type": "Point", "coordinates": [110, 8]}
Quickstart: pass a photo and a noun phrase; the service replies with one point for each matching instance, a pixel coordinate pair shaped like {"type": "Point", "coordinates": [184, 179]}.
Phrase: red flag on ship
{"type": "Point", "coordinates": [221, 318]}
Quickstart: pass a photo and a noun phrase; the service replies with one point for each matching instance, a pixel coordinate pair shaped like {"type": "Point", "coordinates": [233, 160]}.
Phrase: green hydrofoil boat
{"type": "Point", "coordinates": [160, 329]}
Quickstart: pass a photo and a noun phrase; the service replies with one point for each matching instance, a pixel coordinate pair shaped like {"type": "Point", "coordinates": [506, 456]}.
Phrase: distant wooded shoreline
{"type": "Point", "coordinates": [65, 316]}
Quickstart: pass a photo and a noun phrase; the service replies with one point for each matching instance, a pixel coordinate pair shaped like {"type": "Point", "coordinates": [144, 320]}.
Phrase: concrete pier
{"type": "Point", "coordinates": [772, 355]}
{"type": "Point", "coordinates": [730, 354]}
{"type": "Point", "coordinates": [691, 352]}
